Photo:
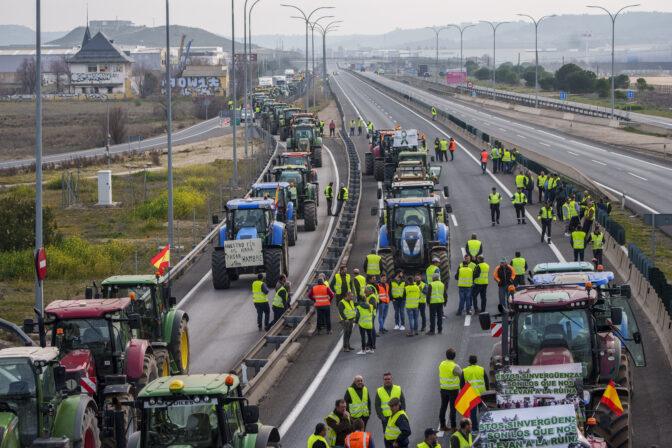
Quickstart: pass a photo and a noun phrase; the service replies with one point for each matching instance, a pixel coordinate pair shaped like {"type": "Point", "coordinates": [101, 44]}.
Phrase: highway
{"type": "Point", "coordinates": [201, 131]}
{"type": "Point", "coordinates": [324, 371]}
{"type": "Point", "coordinates": [642, 179]}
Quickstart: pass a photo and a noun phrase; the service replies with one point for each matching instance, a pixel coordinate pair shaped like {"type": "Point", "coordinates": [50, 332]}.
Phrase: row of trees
{"type": "Point", "coordinates": [26, 75]}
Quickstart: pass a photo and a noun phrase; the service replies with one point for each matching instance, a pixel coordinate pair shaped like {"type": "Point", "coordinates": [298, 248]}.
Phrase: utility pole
{"type": "Point", "coordinates": [39, 304]}
{"type": "Point", "coordinates": [169, 137]}
{"type": "Point", "coordinates": [536, 54]}
{"type": "Point", "coordinates": [494, 47]}
{"type": "Point", "coordinates": [436, 30]}
{"type": "Point", "coordinates": [233, 88]}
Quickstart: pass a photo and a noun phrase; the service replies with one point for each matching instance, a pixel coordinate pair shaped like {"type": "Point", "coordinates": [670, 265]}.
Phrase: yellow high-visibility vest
{"type": "Point", "coordinates": [362, 283]}
{"type": "Point", "coordinates": [518, 265]}
{"type": "Point", "coordinates": [338, 284]}
{"type": "Point", "coordinates": [359, 407]}
{"type": "Point", "coordinates": [373, 264]}
{"type": "Point", "coordinates": [494, 198]}
{"type": "Point", "coordinates": [365, 317]}
{"type": "Point", "coordinates": [392, 431]}
{"type": "Point", "coordinates": [437, 292]}
{"type": "Point", "coordinates": [423, 296]}
{"type": "Point", "coordinates": [258, 295]}
{"type": "Point", "coordinates": [397, 289]}
{"type": "Point", "coordinates": [465, 277]}
{"type": "Point", "coordinates": [482, 278]}
{"type": "Point", "coordinates": [597, 241]}
{"type": "Point", "coordinates": [476, 377]}
{"type": "Point", "coordinates": [412, 296]}
{"type": "Point", "coordinates": [474, 247]}
{"type": "Point", "coordinates": [447, 379]}
{"type": "Point", "coordinates": [349, 309]}
{"type": "Point", "coordinates": [385, 398]}
{"type": "Point", "coordinates": [578, 239]}
{"type": "Point", "coordinates": [313, 438]}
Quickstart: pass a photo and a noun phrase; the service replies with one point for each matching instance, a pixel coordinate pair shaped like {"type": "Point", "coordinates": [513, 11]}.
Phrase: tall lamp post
{"type": "Point", "coordinates": [461, 30]}
{"type": "Point", "coordinates": [306, 18]}
{"type": "Point", "coordinates": [39, 304]}
{"type": "Point", "coordinates": [233, 99]}
{"type": "Point", "coordinates": [536, 54]}
{"type": "Point", "coordinates": [613, 37]}
{"type": "Point", "coordinates": [437, 30]}
{"type": "Point", "coordinates": [494, 49]}
{"type": "Point", "coordinates": [249, 40]}
{"type": "Point", "coordinates": [169, 132]}
{"type": "Point", "coordinates": [331, 26]}
{"type": "Point", "coordinates": [312, 40]}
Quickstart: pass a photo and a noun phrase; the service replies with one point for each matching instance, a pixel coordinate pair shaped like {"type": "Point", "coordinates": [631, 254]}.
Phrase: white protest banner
{"type": "Point", "coordinates": [405, 138]}
{"type": "Point", "coordinates": [242, 253]}
{"type": "Point", "coordinates": [547, 426]}
{"type": "Point", "coordinates": [529, 386]}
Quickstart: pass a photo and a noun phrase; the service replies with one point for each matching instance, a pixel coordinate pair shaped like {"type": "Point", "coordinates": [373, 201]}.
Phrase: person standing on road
{"type": "Point", "coordinates": [546, 216]}
{"type": "Point", "coordinates": [462, 438]}
{"type": "Point", "coordinates": [474, 247]}
{"type": "Point", "coordinates": [364, 318]}
{"type": "Point", "coordinates": [431, 439]}
{"type": "Point", "coordinates": [398, 303]}
{"type": "Point", "coordinates": [494, 199]}
{"type": "Point", "coordinates": [322, 296]}
{"type": "Point", "coordinates": [551, 188]}
{"type": "Point", "coordinates": [529, 187]}
{"type": "Point", "coordinates": [436, 291]}
{"type": "Point", "coordinates": [422, 302]}
{"type": "Point", "coordinates": [281, 299]}
{"type": "Point", "coordinates": [369, 129]}
{"type": "Point", "coordinates": [332, 129]}
{"type": "Point", "coordinates": [588, 216]}
{"type": "Point", "coordinates": [567, 214]}
{"type": "Point", "coordinates": [444, 151]}
{"type": "Point", "coordinates": [372, 299]}
{"type": "Point", "coordinates": [259, 293]}
{"type": "Point", "coordinates": [372, 264]}
{"type": "Point", "coordinates": [504, 275]}
{"type": "Point", "coordinates": [578, 244]}
{"type": "Point", "coordinates": [359, 285]}
{"type": "Point", "coordinates": [596, 239]}
{"type": "Point", "coordinates": [318, 438]}
{"type": "Point", "coordinates": [433, 269]}
{"type": "Point", "coordinates": [412, 298]}
{"type": "Point", "coordinates": [437, 150]}
{"type": "Point", "coordinates": [342, 284]}
{"type": "Point", "coordinates": [398, 428]}
{"type": "Point", "coordinates": [476, 376]}
{"type": "Point", "coordinates": [433, 113]}
{"type": "Point", "coordinates": [481, 279]}
{"type": "Point", "coordinates": [519, 200]}
{"type": "Point", "coordinates": [358, 400]}
{"type": "Point", "coordinates": [341, 198]}
{"type": "Point", "coordinates": [384, 305]}
{"type": "Point", "coordinates": [384, 394]}
{"type": "Point", "coordinates": [352, 128]}
{"type": "Point", "coordinates": [359, 126]}
{"type": "Point", "coordinates": [359, 438]}
{"type": "Point", "coordinates": [541, 182]}
{"type": "Point", "coordinates": [450, 376]}
{"type": "Point", "coordinates": [496, 157]}
{"type": "Point", "coordinates": [465, 280]}
{"type": "Point", "coordinates": [484, 161]}
{"type": "Point", "coordinates": [339, 424]}
{"type": "Point", "coordinates": [347, 312]}
{"type": "Point", "coordinates": [574, 220]}
{"type": "Point", "coordinates": [560, 196]}
{"type": "Point", "coordinates": [506, 161]}
{"type": "Point", "coordinates": [451, 148]}
{"type": "Point", "coordinates": [329, 195]}
{"type": "Point", "coordinates": [519, 265]}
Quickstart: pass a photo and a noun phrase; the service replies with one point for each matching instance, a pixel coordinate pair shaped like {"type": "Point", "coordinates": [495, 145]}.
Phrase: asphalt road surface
{"type": "Point", "coordinates": [201, 131]}
{"type": "Point", "coordinates": [643, 179]}
{"type": "Point", "coordinates": [324, 371]}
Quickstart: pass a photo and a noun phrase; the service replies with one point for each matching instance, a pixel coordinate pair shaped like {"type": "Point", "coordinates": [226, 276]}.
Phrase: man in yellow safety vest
{"type": "Point", "coordinates": [347, 312]}
{"type": "Point", "coordinates": [474, 247]}
{"type": "Point", "coordinates": [494, 199]}
{"type": "Point", "coordinates": [519, 200]}
{"type": "Point", "coordinates": [318, 438]}
{"type": "Point", "coordinates": [433, 113]}
{"type": "Point", "coordinates": [384, 394]}
{"type": "Point", "coordinates": [436, 293]}
{"type": "Point", "coordinates": [546, 216]}
{"type": "Point", "coordinates": [259, 292]}
{"type": "Point", "coordinates": [342, 284]}
{"type": "Point", "coordinates": [465, 280]}
{"type": "Point", "coordinates": [329, 195]}
{"type": "Point", "coordinates": [372, 264]}
{"type": "Point", "coordinates": [462, 437]}
{"type": "Point", "coordinates": [444, 151]}
{"type": "Point", "coordinates": [450, 376]}
{"type": "Point", "coordinates": [397, 290]}
{"type": "Point", "coordinates": [358, 400]}
{"type": "Point", "coordinates": [578, 244]}
{"type": "Point", "coordinates": [476, 376]}
{"type": "Point", "coordinates": [412, 297]}
{"type": "Point", "coordinates": [597, 243]}
{"type": "Point", "coordinates": [339, 424]}
{"type": "Point", "coordinates": [398, 428]}
{"type": "Point", "coordinates": [519, 265]}
{"type": "Point", "coordinates": [481, 278]}
{"type": "Point", "coordinates": [496, 156]}
{"type": "Point", "coordinates": [358, 285]}
{"type": "Point", "coordinates": [422, 303]}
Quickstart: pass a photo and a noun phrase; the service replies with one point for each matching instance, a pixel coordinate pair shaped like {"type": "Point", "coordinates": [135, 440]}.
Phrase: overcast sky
{"type": "Point", "coordinates": [359, 16]}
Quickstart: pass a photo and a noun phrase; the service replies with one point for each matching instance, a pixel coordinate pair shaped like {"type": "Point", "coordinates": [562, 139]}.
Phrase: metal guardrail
{"type": "Point", "coordinates": [266, 353]}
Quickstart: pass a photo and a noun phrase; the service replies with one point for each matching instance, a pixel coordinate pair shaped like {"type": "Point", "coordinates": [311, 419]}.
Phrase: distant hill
{"type": "Point", "coordinates": [22, 35]}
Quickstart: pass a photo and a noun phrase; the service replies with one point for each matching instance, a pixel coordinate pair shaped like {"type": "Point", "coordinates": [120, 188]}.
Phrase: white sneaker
{"type": "Point", "coordinates": [361, 352]}
{"type": "Point", "coordinates": [402, 328]}
{"type": "Point", "coordinates": [372, 351]}
{"type": "Point", "coordinates": [396, 327]}
{"type": "Point", "coordinates": [368, 350]}
{"type": "Point", "coordinates": [566, 234]}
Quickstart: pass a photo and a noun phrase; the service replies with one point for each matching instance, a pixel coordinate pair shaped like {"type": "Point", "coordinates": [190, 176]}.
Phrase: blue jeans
{"type": "Point", "coordinates": [399, 306]}
{"type": "Point", "coordinates": [412, 319]}
{"type": "Point", "coordinates": [383, 308]}
{"type": "Point", "coordinates": [465, 299]}
{"type": "Point", "coordinates": [495, 165]}
{"type": "Point", "coordinates": [422, 312]}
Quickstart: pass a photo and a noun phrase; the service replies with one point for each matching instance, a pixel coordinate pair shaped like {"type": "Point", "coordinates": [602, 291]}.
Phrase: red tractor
{"type": "Point", "coordinates": [102, 358]}
{"type": "Point", "coordinates": [561, 324]}
{"type": "Point", "coordinates": [379, 148]}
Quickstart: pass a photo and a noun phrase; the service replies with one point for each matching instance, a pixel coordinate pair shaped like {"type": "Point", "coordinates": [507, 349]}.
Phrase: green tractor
{"type": "Point", "coordinates": [305, 194]}
{"type": "Point", "coordinates": [305, 138]}
{"type": "Point", "coordinates": [267, 113]}
{"type": "Point", "coordinates": [286, 122]}
{"type": "Point", "coordinates": [200, 411]}
{"type": "Point", "coordinates": [162, 324]}
{"type": "Point", "coordinates": [35, 408]}
{"type": "Point", "coordinates": [274, 118]}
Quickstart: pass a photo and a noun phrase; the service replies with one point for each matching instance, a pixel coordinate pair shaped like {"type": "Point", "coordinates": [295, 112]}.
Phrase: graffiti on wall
{"type": "Point", "coordinates": [199, 85]}
{"type": "Point", "coordinates": [91, 77]}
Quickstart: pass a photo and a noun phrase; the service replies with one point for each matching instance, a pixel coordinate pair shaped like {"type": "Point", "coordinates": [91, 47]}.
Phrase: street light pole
{"type": "Point", "coordinates": [312, 39]}
{"type": "Point", "coordinates": [39, 304]}
{"type": "Point", "coordinates": [536, 54]}
{"type": "Point", "coordinates": [169, 137]}
{"type": "Point", "coordinates": [494, 48]}
{"type": "Point", "coordinates": [245, 70]}
{"type": "Point", "coordinates": [249, 29]}
{"type": "Point", "coordinates": [461, 30]}
{"type": "Point", "coordinates": [107, 135]}
{"type": "Point", "coordinates": [613, 42]}
{"type": "Point", "coordinates": [233, 98]}
{"type": "Point", "coordinates": [331, 26]}
{"type": "Point", "coordinates": [436, 30]}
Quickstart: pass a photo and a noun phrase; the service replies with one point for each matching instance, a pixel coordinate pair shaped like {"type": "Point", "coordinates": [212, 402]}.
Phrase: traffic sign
{"type": "Point", "coordinates": [41, 263]}
{"type": "Point", "coordinates": [470, 85]}
{"type": "Point", "coordinates": [662, 219]}
{"type": "Point", "coordinates": [631, 93]}
{"type": "Point", "coordinates": [495, 330]}
{"type": "Point", "coordinates": [563, 95]}
{"type": "Point", "coordinates": [206, 102]}
{"type": "Point", "coordinates": [473, 94]}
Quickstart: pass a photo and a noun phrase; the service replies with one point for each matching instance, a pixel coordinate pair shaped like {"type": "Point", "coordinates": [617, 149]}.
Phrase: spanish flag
{"type": "Point", "coordinates": [610, 398]}
{"type": "Point", "coordinates": [277, 193]}
{"type": "Point", "coordinates": [467, 399]}
{"type": "Point", "coordinates": [161, 260]}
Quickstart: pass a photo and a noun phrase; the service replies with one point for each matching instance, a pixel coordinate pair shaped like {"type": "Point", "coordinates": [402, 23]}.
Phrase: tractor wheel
{"type": "Point", "coordinates": [273, 261]}
{"type": "Point", "coordinates": [285, 254]}
{"type": "Point", "coordinates": [220, 277]}
{"type": "Point", "coordinates": [150, 371]}
{"type": "Point", "coordinates": [90, 432]}
{"type": "Point", "coordinates": [129, 418]}
{"type": "Point", "coordinates": [162, 361]}
{"type": "Point", "coordinates": [379, 170]}
{"type": "Point", "coordinates": [624, 377]}
{"type": "Point", "coordinates": [291, 232]}
{"type": "Point", "coordinates": [387, 264]}
{"type": "Point", "coordinates": [444, 263]}
{"type": "Point", "coordinates": [309, 216]}
{"type": "Point", "coordinates": [368, 163]}
{"type": "Point", "coordinates": [614, 429]}
{"type": "Point", "coordinates": [317, 157]}
{"type": "Point", "coordinates": [390, 169]}
{"type": "Point", "coordinates": [181, 355]}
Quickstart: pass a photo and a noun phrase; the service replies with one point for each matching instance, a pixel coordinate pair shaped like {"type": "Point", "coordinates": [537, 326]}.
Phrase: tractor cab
{"type": "Point", "coordinates": [249, 218]}
{"type": "Point", "coordinates": [411, 189]}
{"type": "Point", "coordinates": [280, 191]}
{"type": "Point", "coordinates": [296, 176]}
{"type": "Point", "coordinates": [570, 266]}
{"type": "Point", "coordinates": [413, 170]}
{"type": "Point", "coordinates": [303, 134]}
{"type": "Point", "coordinates": [299, 158]}
{"type": "Point", "coordinates": [421, 156]}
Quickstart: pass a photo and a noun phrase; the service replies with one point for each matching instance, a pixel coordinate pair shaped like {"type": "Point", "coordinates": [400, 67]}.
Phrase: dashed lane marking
{"type": "Point", "coordinates": [545, 144]}
{"type": "Point", "coordinates": [452, 217]}
{"type": "Point", "coordinates": [638, 177]}
{"type": "Point", "coordinates": [467, 320]}
{"type": "Point", "coordinates": [598, 162]}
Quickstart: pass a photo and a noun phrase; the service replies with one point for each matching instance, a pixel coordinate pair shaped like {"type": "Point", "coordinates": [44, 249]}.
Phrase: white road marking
{"type": "Point", "coordinates": [464, 252]}
{"type": "Point", "coordinates": [588, 146]}
{"type": "Point", "coordinates": [502, 129]}
{"type": "Point", "coordinates": [522, 136]}
{"type": "Point", "coordinates": [572, 153]}
{"type": "Point", "coordinates": [642, 161]}
{"type": "Point", "coordinates": [452, 217]}
{"type": "Point", "coordinates": [628, 198]}
{"type": "Point", "coordinates": [524, 126]}
{"type": "Point", "coordinates": [638, 177]}
{"type": "Point", "coordinates": [545, 144]}
{"type": "Point", "coordinates": [598, 162]}
{"type": "Point", "coordinates": [467, 320]}
{"type": "Point", "coordinates": [552, 135]}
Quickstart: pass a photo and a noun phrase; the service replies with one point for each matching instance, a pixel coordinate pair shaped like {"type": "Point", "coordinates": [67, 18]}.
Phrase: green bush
{"type": "Point", "coordinates": [184, 200]}
{"type": "Point", "coordinates": [17, 221]}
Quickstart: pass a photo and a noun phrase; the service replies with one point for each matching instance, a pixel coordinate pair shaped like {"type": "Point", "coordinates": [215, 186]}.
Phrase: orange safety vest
{"type": "Point", "coordinates": [384, 293]}
{"type": "Point", "coordinates": [451, 145]}
{"type": "Point", "coordinates": [320, 295]}
{"type": "Point", "coordinates": [484, 157]}
{"type": "Point", "coordinates": [358, 439]}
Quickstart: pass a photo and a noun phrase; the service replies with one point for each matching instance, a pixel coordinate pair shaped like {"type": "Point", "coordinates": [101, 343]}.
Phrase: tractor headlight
{"type": "Point", "coordinates": [416, 249]}
{"type": "Point", "coordinates": [404, 247]}
{"type": "Point", "coordinates": [586, 397]}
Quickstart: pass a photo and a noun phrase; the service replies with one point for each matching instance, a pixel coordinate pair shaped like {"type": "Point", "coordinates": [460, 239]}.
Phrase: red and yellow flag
{"type": "Point", "coordinates": [610, 398]}
{"type": "Point", "coordinates": [277, 193]}
{"type": "Point", "coordinates": [161, 260]}
{"type": "Point", "coordinates": [467, 399]}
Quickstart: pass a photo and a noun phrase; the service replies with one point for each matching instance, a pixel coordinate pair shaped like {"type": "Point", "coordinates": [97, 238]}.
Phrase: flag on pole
{"type": "Point", "coordinates": [277, 194]}
{"type": "Point", "coordinates": [610, 398]}
{"type": "Point", "coordinates": [467, 399]}
{"type": "Point", "coordinates": [161, 260]}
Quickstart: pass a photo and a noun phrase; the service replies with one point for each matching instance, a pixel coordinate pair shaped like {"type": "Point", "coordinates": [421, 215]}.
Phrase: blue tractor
{"type": "Point", "coordinates": [411, 234]}
{"type": "Point", "coordinates": [280, 193]}
{"type": "Point", "coordinates": [251, 242]}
